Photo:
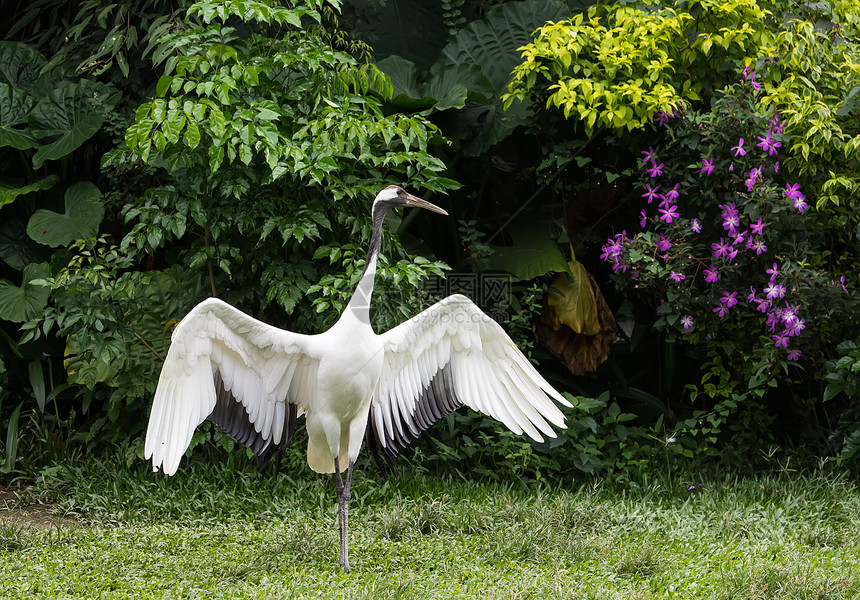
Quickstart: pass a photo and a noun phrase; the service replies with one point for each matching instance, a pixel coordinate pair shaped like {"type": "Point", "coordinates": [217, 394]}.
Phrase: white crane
{"type": "Point", "coordinates": [254, 380]}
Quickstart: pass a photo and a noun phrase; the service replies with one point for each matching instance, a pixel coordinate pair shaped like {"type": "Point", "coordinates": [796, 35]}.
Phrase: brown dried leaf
{"type": "Point", "coordinates": [581, 352]}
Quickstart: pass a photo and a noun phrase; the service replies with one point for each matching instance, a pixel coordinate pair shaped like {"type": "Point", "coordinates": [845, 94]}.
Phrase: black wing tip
{"type": "Point", "coordinates": [231, 416]}
{"type": "Point", "coordinates": [437, 401]}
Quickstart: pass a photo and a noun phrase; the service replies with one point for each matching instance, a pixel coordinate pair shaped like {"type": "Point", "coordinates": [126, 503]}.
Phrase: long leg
{"type": "Point", "coordinates": [344, 545]}
{"type": "Point", "coordinates": [342, 504]}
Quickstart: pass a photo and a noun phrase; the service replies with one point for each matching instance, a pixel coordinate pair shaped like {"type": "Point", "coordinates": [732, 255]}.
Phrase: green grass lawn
{"type": "Point", "coordinates": [214, 533]}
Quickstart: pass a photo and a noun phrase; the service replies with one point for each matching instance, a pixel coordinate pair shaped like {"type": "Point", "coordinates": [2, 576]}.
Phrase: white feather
{"type": "Point", "coordinates": [488, 371]}
{"type": "Point", "coordinates": [214, 336]}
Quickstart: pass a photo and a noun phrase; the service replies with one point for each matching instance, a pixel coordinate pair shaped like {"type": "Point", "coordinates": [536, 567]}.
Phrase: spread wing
{"type": "Point", "coordinates": [250, 378]}
{"type": "Point", "coordinates": [448, 356]}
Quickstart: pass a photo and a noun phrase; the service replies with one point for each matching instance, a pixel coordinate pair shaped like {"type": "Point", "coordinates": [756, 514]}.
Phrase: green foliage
{"type": "Point", "coordinates": [599, 439]}
{"type": "Point", "coordinates": [263, 135]}
{"type": "Point", "coordinates": [11, 446]}
{"type": "Point", "coordinates": [622, 64]}
{"type": "Point", "coordinates": [472, 71]}
{"type": "Point", "coordinates": [80, 220]}
{"type": "Point", "coordinates": [19, 303]}
{"type": "Point", "coordinates": [843, 383]}
{"type": "Point", "coordinates": [812, 80]}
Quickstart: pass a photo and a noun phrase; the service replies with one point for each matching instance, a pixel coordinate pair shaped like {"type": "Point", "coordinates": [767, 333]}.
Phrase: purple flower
{"type": "Point", "coordinates": [755, 174]}
{"type": "Point", "coordinates": [772, 320]}
{"type": "Point", "coordinates": [780, 340]}
{"type": "Point", "coordinates": [800, 203]}
{"type": "Point", "coordinates": [711, 274]}
{"type": "Point", "coordinates": [773, 272]}
{"type": "Point", "coordinates": [668, 214]}
{"type": "Point", "coordinates": [663, 244]}
{"type": "Point", "coordinates": [696, 226]}
{"type": "Point", "coordinates": [661, 117]}
{"type": "Point", "coordinates": [793, 354]}
{"type": "Point", "coordinates": [796, 326]}
{"type": "Point", "coordinates": [751, 297]}
{"type": "Point", "coordinates": [792, 190]}
{"type": "Point", "coordinates": [721, 249]}
{"type": "Point", "coordinates": [728, 209]}
{"type": "Point", "coordinates": [774, 291]}
{"type": "Point", "coordinates": [768, 144]}
{"type": "Point", "coordinates": [643, 219]}
{"type": "Point", "coordinates": [776, 167]}
{"type": "Point", "coordinates": [729, 299]}
{"type": "Point", "coordinates": [748, 73]}
{"type": "Point", "coordinates": [721, 310]}
{"type": "Point", "coordinates": [775, 124]}
{"type": "Point", "coordinates": [757, 244]}
{"type": "Point", "coordinates": [842, 281]}
{"type": "Point", "coordinates": [739, 149]}
{"type": "Point", "coordinates": [731, 221]}
{"type": "Point", "coordinates": [612, 250]}
{"type": "Point", "coordinates": [757, 228]}
{"type": "Point", "coordinates": [707, 166]}
{"type": "Point", "coordinates": [651, 192]}
{"type": "Point", "coordinates": [678, 277]}
{"type": "Point", "coordinates": [673, 193]}
{"type": "Point", "coordinates": [655, 170]}
{"type": "Point", "coordinates": [650, 155]}
{"type": "Point", "coordinates": [687, 322]}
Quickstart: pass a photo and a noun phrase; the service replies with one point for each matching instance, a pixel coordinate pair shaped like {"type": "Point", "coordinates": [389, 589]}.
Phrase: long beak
{"type": "Point", "coordinates": [419, 203]}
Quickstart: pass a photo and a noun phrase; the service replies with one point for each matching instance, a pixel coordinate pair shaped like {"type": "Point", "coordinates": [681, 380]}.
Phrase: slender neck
{"type": "Point", "coordinates": [359, 304]}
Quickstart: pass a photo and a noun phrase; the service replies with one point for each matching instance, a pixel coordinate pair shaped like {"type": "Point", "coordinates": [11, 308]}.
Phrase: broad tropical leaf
{"type": "Point", "coordinates": [532, 254]}
{"type": "Point", "coordinates": [9, 193]}
{"type": "Point", "coordinates": [20, 65]}
{"type": "Point", "coordinates": [444, 89]}
{"type": "Point", "coordinates": [71, 115]}
{"type": "Point", "coordinates": [21, 303]}
{"type": "Point", "coordinates": [84, 211]}
{"type": "Point", "coordinates": [16, 248]}
{"type": "Point", "coordinates": [15, 107]}
{"type": "Point", "coordinates": [493, 41]}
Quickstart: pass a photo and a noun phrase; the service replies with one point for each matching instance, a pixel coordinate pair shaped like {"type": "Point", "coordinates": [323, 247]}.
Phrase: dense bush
{"type": "Point", "coordinates": [738, 245]}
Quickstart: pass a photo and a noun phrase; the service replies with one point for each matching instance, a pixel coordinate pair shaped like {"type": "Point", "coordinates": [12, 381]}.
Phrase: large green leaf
{"type": "Point", "coordinates": [70, 116]}
{"type": "Point", "coordinates": [8, 193]}
{"type": "Point", "coordinates": [492, 42]}
{"type": "Point", "coordinates": [485, 124]}
{"type": "Point", "coordinates": [20, 65]}
{"type": "Point", "coordinates": [532, 254]}
{"type": "Point", "coordinates": [80, 221]}
{"type": "Point", "coordinates": [20, 303]}
{"type": "Point", "coordinates": [491, 46]}
{"type": "Point", "coordinates": [15, 107]}
{"type": "Point", "coordinates": [413, 29]}
{"type": "Point", "coordinates": [445, 88]}
{"type": "Point", "coordinates": [16, 248]}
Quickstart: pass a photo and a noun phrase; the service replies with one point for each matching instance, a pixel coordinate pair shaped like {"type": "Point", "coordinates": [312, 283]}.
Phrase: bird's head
{"type": "Point", "coordinates": [394, 196]}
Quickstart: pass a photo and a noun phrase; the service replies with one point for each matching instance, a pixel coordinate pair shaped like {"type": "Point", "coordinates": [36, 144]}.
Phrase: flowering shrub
{"type": "Point", "coordinates": [723, 245]}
